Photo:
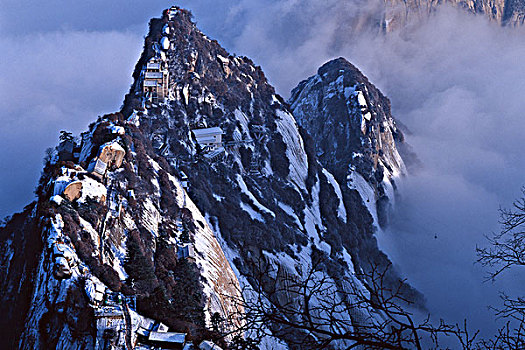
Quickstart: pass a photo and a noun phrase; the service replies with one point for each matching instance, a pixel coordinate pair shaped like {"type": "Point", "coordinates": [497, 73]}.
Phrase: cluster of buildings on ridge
{"type": "Point", "coordinates": [119, 326]}
{"type": "Point", "coordinates": [154, 82]}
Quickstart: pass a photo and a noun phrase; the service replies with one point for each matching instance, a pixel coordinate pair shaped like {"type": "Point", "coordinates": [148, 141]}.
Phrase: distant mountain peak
{"type": "Point", "coordinates": [506, 13]}
{"type": "Point", "coordinates": [352, 126]}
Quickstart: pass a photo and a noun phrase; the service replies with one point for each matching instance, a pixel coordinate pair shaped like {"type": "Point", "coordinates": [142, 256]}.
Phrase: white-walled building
{"type": "Point", "coordinates": [155, 80]}
{"type": "Point", "coordinates": [210, 138]}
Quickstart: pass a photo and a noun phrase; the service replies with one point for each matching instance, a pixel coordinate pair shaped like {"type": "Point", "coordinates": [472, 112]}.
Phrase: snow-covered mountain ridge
{"type": "Point", "coordinates": [163, 211]}
{"type": "Point", "coordinates": [354, 132]}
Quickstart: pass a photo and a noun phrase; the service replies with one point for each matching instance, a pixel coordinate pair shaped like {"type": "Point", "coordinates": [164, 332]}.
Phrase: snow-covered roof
{"type": "Point", "coordinates": [150, 82]}
{"type": "Point", "coordinates": [208, 345]}
{"type": "Point", "coordinates": [153, 75]}
{"type": "Point", "coordinates": [92, 189]}
{"type": "Point", "coordinates": [168, 337]}
{"type": "Point", "coordinates": [207, 131]}
{"type": "Point", "coordinates": [99, 167]}
{"type": "Point", "coordinates": [206, 139]}
{"type": "Point", "coordinates": [94, 289]}
{"type": "Point", "coordinates": [153, 64]}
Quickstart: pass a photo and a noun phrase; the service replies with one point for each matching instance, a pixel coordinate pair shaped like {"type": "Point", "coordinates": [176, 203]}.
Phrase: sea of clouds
{"type": "Point", "coordinates": [455, 81]}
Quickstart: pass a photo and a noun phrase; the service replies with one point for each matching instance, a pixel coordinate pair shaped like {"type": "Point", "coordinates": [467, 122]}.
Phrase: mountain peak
{"type": "Point", "coordinates": [337, 64]}
{"type": "Point", "coordinates": [202, 181]}
{"type": "Point", "coordinates": [352, 126]}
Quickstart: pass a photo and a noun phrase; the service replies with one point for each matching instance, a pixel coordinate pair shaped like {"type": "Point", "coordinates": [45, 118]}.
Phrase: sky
{"type": "Point", "coordinates": [62, 66]}
{"type": "Point", "coordinates": [455, 81]}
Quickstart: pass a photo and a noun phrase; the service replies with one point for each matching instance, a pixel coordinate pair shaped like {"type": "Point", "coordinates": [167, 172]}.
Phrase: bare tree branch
{"type": "Point", "coordinates": [507, 248]}
{"type": "Point", "coordinates": [311, 312]}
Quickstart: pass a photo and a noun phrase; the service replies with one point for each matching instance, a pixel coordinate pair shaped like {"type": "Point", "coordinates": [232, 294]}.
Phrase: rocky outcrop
{"type": "Point", "coordinates": [127, 240]}
{"type": "Point", "coordinates": [354, 133]}
{"type": "Point", "coordinates": [19, 253]}
{"type": "Point", "coordinates": [399, 13]}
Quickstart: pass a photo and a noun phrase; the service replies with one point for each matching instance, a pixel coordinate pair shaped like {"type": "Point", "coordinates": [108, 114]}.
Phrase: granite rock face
{"type": "Point", "coordinates": [171, 224]}
{"type": "Point", "coordinates": [354, 133]}
{"type": "Point", "coordinates": [399, 13]}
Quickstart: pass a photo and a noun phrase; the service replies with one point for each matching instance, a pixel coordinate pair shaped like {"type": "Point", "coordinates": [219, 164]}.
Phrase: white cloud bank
{"type": "Point", "coordinates": [458, 83]}
{"type": "Point", "coordinates": [50, 82]}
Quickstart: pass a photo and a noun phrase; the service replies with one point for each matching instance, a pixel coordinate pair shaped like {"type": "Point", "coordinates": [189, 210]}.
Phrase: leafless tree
{"type": "Point", "coordinates": [315, 311]}
{"type": "Point", "coordinates": [508, 338]}
{"type": "Point", "coordinates": [507, 247]}
{"type": "Point", "coordinates": [507, 250]}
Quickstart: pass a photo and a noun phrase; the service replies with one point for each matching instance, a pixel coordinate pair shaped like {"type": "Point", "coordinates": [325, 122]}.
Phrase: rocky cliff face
{"type": "Point", "coordinates": [354, 133]}
{"type": "Point", "coordinates": [507, 13]}
{"type": "Point", "coordinates": [160, 212]}
{"type": "Point", "coordinates": [111, 242]}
